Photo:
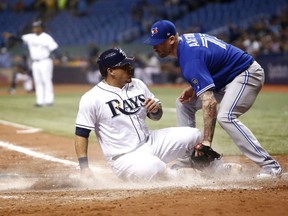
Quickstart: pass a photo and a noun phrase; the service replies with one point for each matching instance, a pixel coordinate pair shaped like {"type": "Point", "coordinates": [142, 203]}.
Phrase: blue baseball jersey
{"type": "Point", "coordinates": [207, 62]}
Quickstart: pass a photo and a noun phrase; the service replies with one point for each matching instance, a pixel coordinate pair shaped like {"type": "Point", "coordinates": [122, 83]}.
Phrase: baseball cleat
{"type": "Point", "coordinates": [38, 105]}
{"type": "Point", "coordinates": [181, 173]}
{"type": "Point", "coordinates": [270, 173]}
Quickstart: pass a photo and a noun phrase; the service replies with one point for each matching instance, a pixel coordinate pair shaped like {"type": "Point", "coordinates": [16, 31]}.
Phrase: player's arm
{"type": "Point", "coordinates": [209, 109]}
{"type": "Point", "coordinates": [154, 109]}
{"type": "Point", "coordinates": [81, 148]}
{"type": "Point", "coordinates": [187, 95]}
{"type": "Point", "coordinates": [56, 54]}
{"type": "Point", "coordinates": [12, 37]}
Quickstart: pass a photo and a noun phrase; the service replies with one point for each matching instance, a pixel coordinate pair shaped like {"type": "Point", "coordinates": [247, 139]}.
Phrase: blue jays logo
{"type": "Point", "coordinates": [154, 31]}
{"type": "Point", "coordinates": [195, 82]}
{"type": "Point", "coordinates": [128, 107]}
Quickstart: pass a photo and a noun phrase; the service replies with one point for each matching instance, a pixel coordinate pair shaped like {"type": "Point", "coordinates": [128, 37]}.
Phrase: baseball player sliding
{"type": "Point", "coordinates": [116, 109]}
{"type": "Point", "coordinates": [40, 46]}
{"type": "Point", "coordinates": [217, 72]}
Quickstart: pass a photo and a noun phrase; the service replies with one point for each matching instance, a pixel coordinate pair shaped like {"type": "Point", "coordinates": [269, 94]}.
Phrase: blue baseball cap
{"type": "Point", "coordinates": [160, 31]}
{"type": "Point", "coordinates": [114, 57]}
{"type": "Point", "coordinates": [37, 23]}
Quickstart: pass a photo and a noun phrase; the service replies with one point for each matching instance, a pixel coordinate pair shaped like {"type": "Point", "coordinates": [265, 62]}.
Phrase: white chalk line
{"type": "Point", "coordinates": [28, 129]}
{"type": "Point", "coordinates": [25, 128]}
{"type": "Point", "coordinates": [193, 182]}
{"type": "Point", "coordinates": [47, 157]}
{"type": "Point", "coordinates": [36, 154]}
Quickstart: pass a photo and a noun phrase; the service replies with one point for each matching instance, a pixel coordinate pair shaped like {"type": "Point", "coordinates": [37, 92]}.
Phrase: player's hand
{"type": "Point", "coordinates": [57, 62]}
{"type": "Point", "coordinates": [87, 176]}
{"type": "Point", "coordinates": [199, 153]}
{"type": "Point", "coordinates": [187, 95]}
{"type": "Point", "coordinates": [151, 105]}
{"type": "Point", "coordinates": [87, 173]}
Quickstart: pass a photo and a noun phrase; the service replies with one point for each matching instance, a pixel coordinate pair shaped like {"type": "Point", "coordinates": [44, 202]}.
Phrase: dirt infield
{"type": "Point", "coordinates": [39, 176]}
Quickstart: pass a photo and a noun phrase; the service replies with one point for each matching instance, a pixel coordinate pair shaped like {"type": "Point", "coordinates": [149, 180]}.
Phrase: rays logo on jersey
{"type": "Point", "coordinates": [129, 106]}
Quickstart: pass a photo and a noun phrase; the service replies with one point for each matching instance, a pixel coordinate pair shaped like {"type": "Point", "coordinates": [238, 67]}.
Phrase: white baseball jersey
{"type": "Point", "coordinates": [39, 46]}
{"type": "Point", "coordinates": [117, 116]}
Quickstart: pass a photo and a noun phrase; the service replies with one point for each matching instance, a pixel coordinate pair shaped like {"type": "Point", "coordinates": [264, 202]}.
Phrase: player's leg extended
{"type": "Point", "coordinates": [39, 88]}
{"type": "Point", "coordinates": [47, 72]}
{"type": "Point", "coordinates": [175, 142]}
{"type": "Point", "coordinates": [149, 161]}
{"type": "Point", "coordinates": [239, 97]}
{"type": "Point", "coordinates": [139, 165]}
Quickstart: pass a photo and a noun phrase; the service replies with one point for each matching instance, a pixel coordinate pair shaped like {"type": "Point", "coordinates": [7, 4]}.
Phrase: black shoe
{"type": "Point", "coordinates": [38, 105]}
{"type": "Point", "coordinates": [50, 104]}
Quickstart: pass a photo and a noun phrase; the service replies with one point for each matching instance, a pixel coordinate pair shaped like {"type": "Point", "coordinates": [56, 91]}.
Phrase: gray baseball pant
{"type": "Point", "coordinates": [234, 100]}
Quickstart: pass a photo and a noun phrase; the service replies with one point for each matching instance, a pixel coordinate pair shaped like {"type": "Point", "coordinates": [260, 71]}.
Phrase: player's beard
{"type": "Point", "coordinates": [162, 53]}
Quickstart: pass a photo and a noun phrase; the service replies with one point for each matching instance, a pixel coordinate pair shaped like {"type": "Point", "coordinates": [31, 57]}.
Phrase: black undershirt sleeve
{"type": "Point", "coordinates": [83, 132]}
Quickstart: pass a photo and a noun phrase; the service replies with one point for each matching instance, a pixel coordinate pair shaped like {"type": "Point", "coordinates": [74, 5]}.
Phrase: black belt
{"type": "Point", "coordinates": [117, 156]}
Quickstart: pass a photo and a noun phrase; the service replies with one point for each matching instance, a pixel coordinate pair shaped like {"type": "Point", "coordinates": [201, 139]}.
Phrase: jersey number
{"type": "Point", "coordinates": [205, 38]}
{"type": "Point", "coordinates": [192, 41]}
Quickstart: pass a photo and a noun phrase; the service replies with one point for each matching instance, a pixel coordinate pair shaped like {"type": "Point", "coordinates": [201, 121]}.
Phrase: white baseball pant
{"type": "Point", "coordinates": [149, 161]}
{"type": "Point", "coordinates": [43, 74]}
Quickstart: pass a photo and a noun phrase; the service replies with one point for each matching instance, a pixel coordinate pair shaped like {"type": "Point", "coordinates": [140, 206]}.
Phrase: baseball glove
{"type": "Point", "coordinates": [206, 155]}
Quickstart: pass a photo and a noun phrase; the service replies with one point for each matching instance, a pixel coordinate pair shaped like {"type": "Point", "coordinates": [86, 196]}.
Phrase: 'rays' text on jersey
{"type": "Point", "coordinates": [129, 106]}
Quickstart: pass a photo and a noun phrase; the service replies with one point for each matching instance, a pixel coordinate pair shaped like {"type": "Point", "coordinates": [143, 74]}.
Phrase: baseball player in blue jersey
{"type": "Point", "coordinates": [217, 72]}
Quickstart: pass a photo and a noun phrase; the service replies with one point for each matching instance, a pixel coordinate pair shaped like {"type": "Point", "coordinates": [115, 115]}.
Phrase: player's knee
{"type": "Point", "coordinates": [179, 105]}
{"type": "Point", "coordinates": [221, 118]}
{"type": "Point", "coordinates": [195, 134]}
{"type": "Point", "coordinates": [192, 136]}
{"type": "Point", "coordinates": [224, 118]}
{"type": "Point", "coordinates": [198, 135]}
{"type": "Point", "coordinates": [189, 108]}
{"type": "Point", "coordinates": [152, 170]}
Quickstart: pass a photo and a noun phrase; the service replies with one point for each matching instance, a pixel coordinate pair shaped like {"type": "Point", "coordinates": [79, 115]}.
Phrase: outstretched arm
{"type": "Point", "coordinates": [10, 36]}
